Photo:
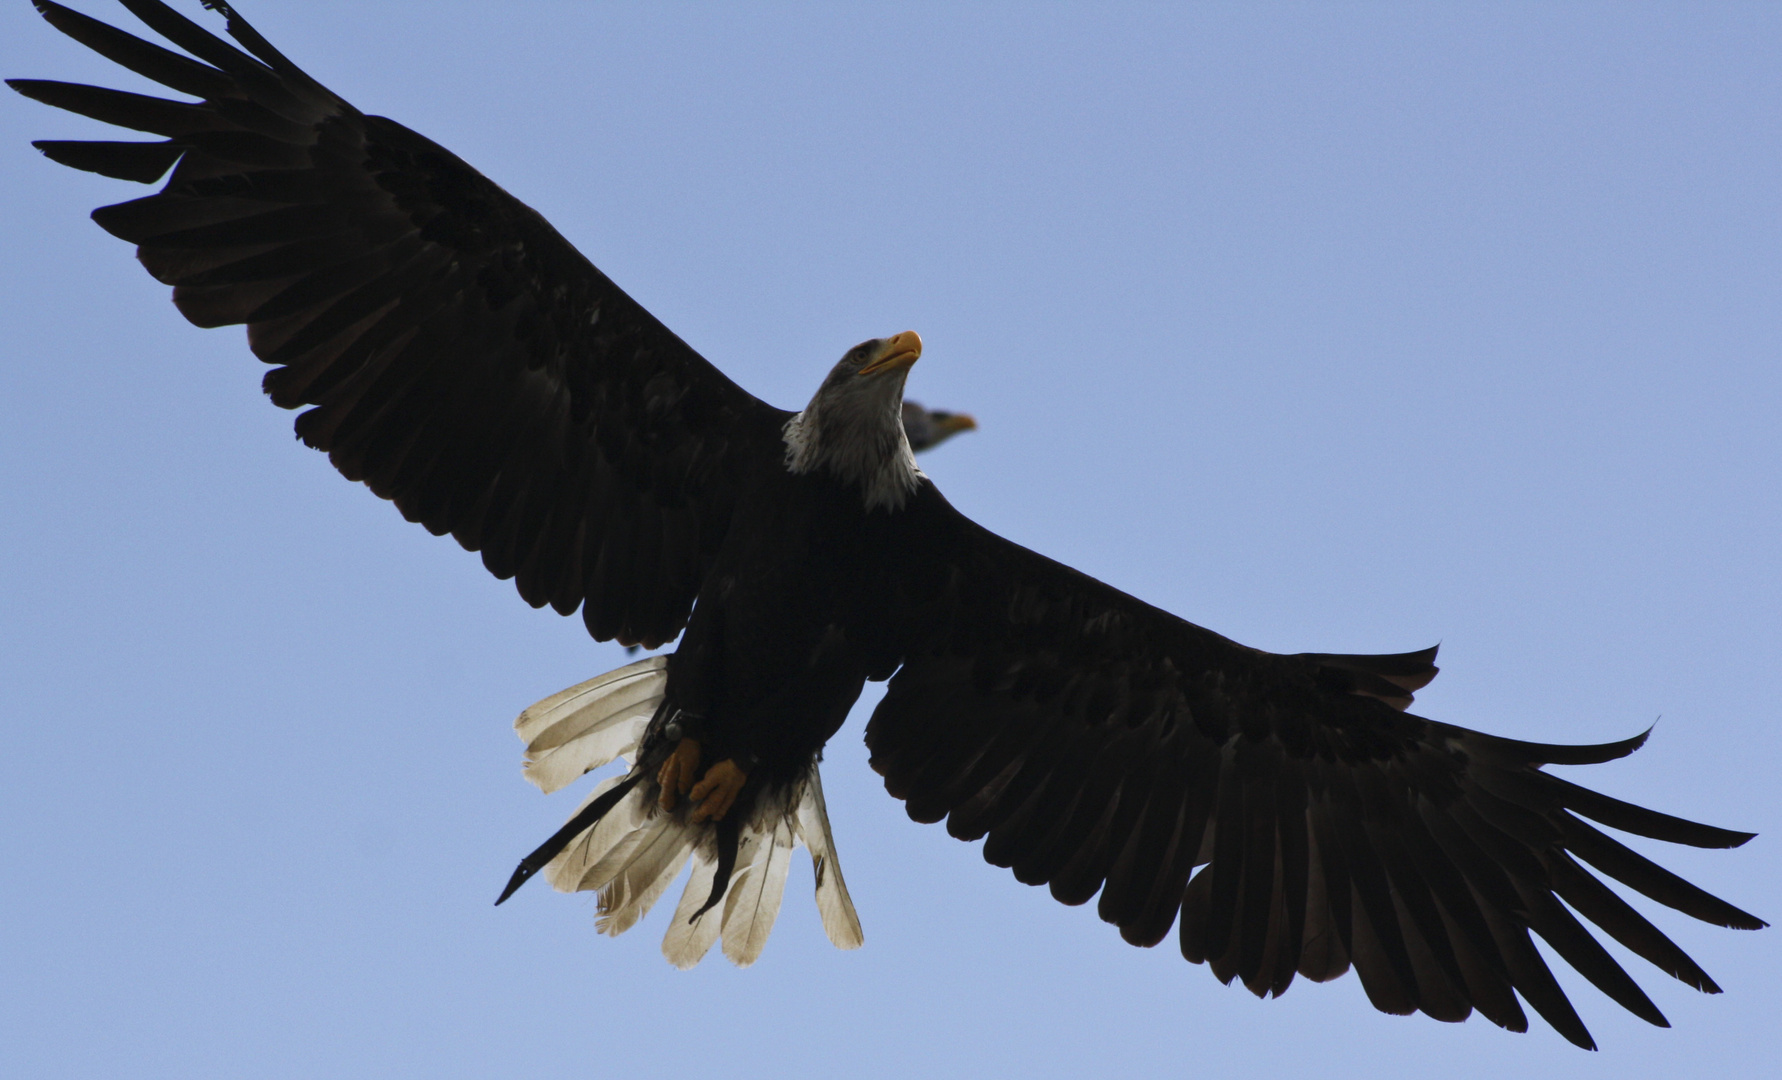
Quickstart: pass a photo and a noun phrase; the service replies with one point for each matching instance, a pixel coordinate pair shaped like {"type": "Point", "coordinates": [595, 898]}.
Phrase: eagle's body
{"type": "Point", "coordinates": [785, 634]}
{"type": "Point", "coordinates": [797, 610]}
{"type": "Point", "coordinates": [1284, 813]}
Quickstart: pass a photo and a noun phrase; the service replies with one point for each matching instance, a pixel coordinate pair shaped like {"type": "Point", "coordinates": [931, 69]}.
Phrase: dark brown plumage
{"type": "Point", "coordinates": [452, 351]}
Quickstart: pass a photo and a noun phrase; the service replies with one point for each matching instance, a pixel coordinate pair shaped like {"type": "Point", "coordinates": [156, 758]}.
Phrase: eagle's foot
{"type": "Point", "coordinates": [677, 773]}
{"type": "Point", "coordinates": [717, 791]}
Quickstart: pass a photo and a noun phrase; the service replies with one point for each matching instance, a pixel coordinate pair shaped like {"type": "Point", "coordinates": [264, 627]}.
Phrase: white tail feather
{"type": "Point", "coordinates": [643, 880]}
{"type": "Point", "coordinates": [840, 922]}
{"type": "Point", "coordinates": [591, 724]}
{"type": "Point", "coordinates": [632, 854]}
{"type": "Point", "coordinates": [755, 891]}
{"type": "Point", "coordinates": [689, 939]}
{"type": "Point", "coordinates": [567, 871]}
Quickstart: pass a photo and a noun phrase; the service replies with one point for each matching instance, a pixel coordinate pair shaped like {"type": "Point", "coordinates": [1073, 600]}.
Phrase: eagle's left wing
{"type": "Point", "coordinates": [1098, 744]}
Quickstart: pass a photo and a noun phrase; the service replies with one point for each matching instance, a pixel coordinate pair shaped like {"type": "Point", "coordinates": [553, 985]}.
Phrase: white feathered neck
{"type": "Point", "coordinates": [853, 430]}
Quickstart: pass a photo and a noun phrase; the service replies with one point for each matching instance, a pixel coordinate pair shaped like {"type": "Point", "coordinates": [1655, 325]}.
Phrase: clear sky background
{"type": "Point", "coordinates": [1342, 328]}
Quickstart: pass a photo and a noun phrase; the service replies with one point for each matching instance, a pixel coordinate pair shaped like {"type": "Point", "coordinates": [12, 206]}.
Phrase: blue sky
{"type": "Point", "coordinates": [1346, 328]}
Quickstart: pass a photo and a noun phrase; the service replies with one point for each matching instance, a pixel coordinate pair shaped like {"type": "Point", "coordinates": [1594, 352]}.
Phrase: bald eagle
{"type": "Point", "coordinates": [1285, 813]}
{"type": "Point", "coordinates": [928, 428]}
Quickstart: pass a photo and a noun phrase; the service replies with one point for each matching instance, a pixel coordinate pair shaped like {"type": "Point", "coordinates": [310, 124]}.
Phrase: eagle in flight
{"type": "Point", "coordinates": [1285, 814]}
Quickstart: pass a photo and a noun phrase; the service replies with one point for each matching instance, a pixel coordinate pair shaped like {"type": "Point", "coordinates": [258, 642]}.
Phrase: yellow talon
{"type": "Point", "coordinates": [676, 774]}
{"type": "Point", "coordinates": [717, 792]}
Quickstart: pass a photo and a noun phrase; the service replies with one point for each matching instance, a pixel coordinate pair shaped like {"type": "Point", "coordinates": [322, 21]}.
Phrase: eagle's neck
{"type": "Point", "coordinates": [859, 441]}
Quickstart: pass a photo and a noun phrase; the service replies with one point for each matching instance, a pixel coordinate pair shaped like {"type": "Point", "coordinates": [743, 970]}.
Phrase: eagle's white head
{"type": "Point", "coordinates": [853, 427]}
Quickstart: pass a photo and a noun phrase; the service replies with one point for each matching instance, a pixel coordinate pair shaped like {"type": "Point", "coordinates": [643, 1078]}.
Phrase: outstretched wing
{"type": "Point", "coordinates": [455, 352]}
{"type": "Point", "coordinates": [1096, 743]}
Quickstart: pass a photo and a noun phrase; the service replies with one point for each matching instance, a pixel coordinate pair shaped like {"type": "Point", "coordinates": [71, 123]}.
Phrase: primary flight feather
{"type": "Point", "coordinates": [451, 350]}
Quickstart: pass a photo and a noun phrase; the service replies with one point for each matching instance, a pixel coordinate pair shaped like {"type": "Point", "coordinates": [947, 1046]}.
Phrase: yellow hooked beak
{"type": "Point", "coordinates": [901, 350]}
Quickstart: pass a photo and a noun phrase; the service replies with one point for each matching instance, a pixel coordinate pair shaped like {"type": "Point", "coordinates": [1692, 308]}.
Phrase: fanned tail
{"type": "Point", "coordinates": [620, 845]}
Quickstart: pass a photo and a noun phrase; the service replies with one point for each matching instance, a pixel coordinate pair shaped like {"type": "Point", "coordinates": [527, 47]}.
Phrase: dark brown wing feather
{"type": "Point", "coordinates": [1095, 743]}
{"type": "Point", "coordinates": [454, 352]}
